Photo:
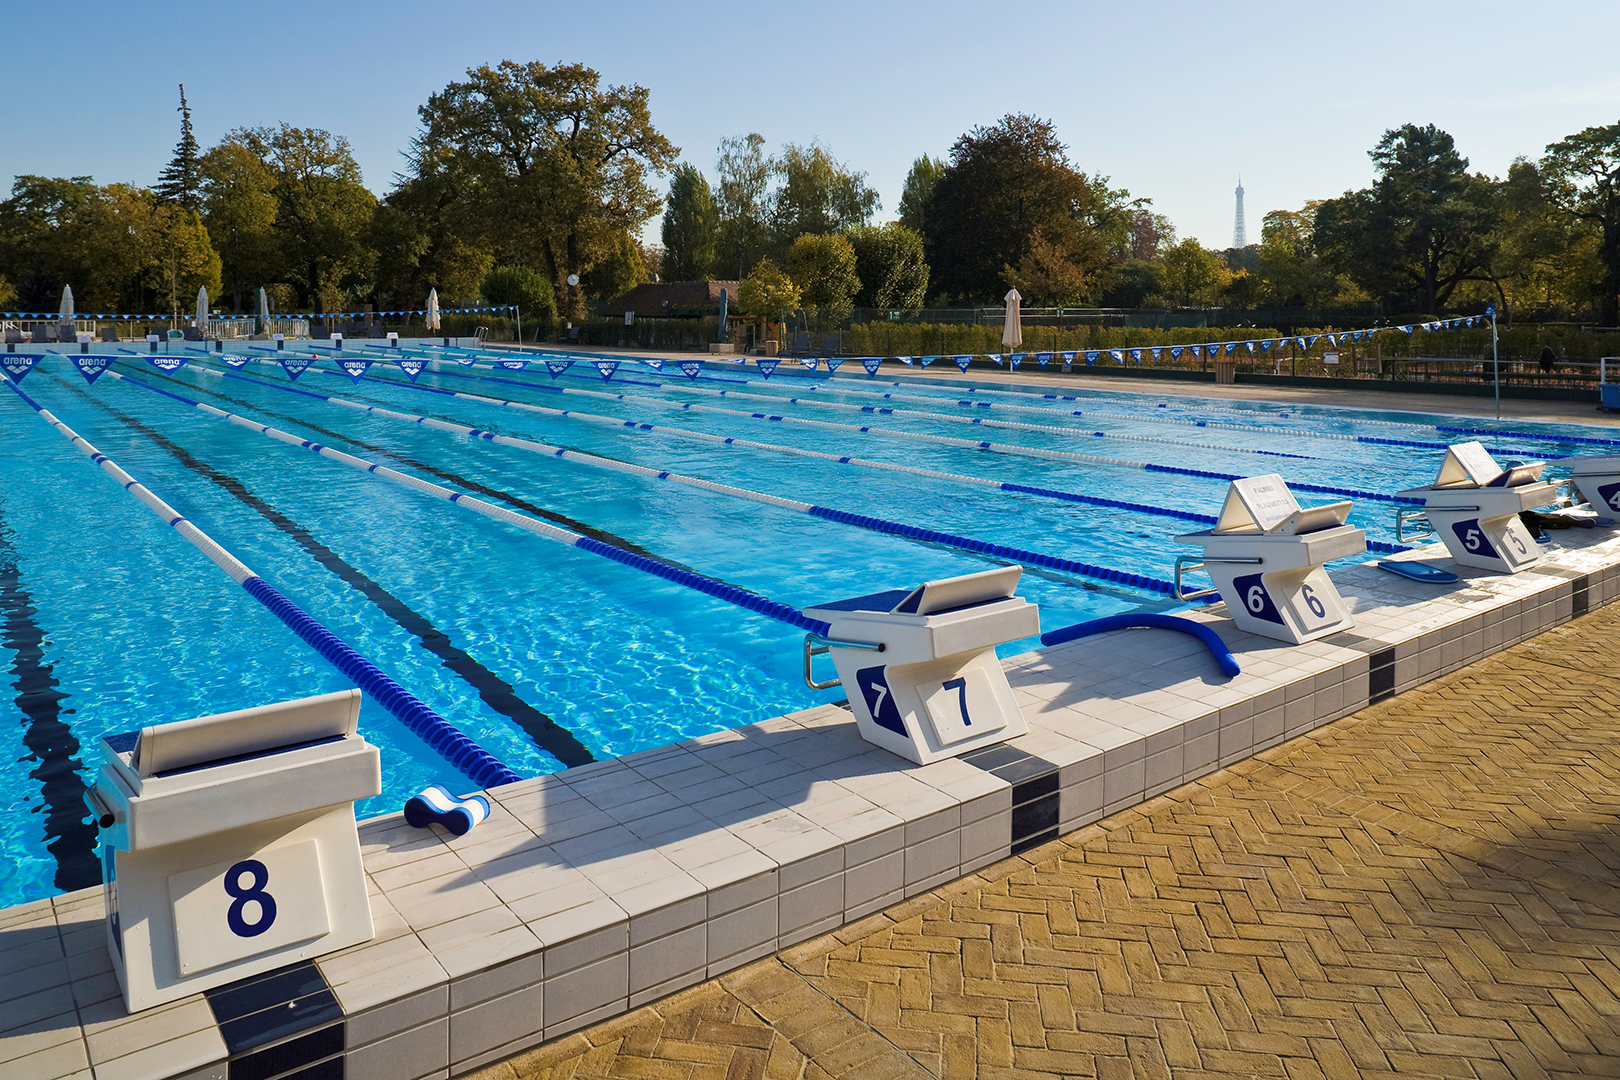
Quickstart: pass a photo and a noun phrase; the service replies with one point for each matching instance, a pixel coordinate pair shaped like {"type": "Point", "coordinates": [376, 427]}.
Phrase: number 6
{"type": "Point", "coordinates": [1312, 602]}
{"type": "Point", "coordinates": [1256, 599]}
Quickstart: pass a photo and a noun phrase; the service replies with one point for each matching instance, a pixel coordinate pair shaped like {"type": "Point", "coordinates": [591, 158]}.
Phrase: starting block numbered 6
{"type": "Point", "coordinates": [228, 844]}
{"type": "Point", "coordinates": [920, 666]}
{"type": "Point", "coordinates": [1474, 506]}
{"type": "Point", "coordinates": [1265, 556]}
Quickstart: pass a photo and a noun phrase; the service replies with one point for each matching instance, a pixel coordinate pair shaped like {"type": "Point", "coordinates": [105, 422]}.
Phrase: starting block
{"type": "Point", "coordinates": [1266, 555]}
{"type": "Point", "coordinates": [1598, 481]}
{"type": "Point", "coordinates": [228, 844]}
{"type": "Point", "coordinates": [1474, 505]}
{"type": "Point", "coordinates": [920, 665]}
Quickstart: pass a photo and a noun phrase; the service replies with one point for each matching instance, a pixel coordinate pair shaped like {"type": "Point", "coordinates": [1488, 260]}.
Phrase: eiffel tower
{"type": "Point", "coordinates": [1240, 235]}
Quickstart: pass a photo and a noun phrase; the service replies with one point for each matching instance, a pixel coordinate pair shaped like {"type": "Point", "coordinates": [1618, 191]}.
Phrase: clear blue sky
{"type": "Point", "coordinates": [1171, 100]}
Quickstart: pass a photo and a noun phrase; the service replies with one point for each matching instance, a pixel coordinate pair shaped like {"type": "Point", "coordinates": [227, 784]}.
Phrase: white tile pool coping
{"type": "Point", "coordinates": [593, 891]}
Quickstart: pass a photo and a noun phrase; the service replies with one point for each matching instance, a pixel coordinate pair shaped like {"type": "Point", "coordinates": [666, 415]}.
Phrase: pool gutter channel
{"type": "Point", "coordinates": [596, 890]}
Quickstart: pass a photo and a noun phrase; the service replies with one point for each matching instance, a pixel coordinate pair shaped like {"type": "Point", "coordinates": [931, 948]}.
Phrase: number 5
{"type": "Point", "coordinates": [1471, 540]}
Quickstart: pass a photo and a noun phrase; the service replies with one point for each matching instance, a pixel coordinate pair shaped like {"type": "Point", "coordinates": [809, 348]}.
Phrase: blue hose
{"type": "Point", "coordinates": [1217, 648]}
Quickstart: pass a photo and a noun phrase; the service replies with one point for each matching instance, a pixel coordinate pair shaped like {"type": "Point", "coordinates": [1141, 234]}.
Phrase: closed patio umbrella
{"type": "Point", "coordinates": [433, 309]}
{"type": "Point", "coordinates": [1013, 333]}
{"type": "Point", "coordinates": [202, 307]}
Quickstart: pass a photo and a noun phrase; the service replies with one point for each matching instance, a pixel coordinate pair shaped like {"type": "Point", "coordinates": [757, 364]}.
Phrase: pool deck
{"type": "Point", "coordinates": [608, 887]}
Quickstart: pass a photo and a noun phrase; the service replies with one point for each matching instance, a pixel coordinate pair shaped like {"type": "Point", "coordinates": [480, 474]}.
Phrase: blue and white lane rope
{"type": "Point", "coordinates": [478, 764]}
{"type": "Point", "coordinates": [731, 594]}
{"type": "Point", "coordinates": [932, 474]}
{"type": "Point", "coordinates": [910, 532]}
{"type": "Point", "coordinates": [914, 436]}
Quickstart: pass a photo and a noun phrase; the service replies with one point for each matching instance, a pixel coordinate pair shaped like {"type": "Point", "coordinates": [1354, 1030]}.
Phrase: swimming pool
{"type": "Point", "coordinates": [545, 653]}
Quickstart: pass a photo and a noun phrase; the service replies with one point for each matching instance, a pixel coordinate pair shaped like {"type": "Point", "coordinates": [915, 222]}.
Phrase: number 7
{"type": "Point", "coordinates": [959, 684]}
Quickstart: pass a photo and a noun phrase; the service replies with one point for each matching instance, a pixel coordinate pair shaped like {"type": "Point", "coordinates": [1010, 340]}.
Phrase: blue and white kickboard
{"type": "Point", "coordinates": [436, 806]}
{"type": "Point", "coordinates": [1429, 575]}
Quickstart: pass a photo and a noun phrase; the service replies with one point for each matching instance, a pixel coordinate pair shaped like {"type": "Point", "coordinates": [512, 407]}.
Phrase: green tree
{"type": "Point", "coordinates": [919, 188]}
{"type": "Point", "coordinates": [1288, 267]}
{"type": "Point", "coordinates": [889, 263]}
{"type": "Point", "coordinates": [547, 167]}
{"type": "Point", "coordinates": [181, 180]}
{"type": "Point", "coordinates": [816, 193]}
{"type": "Point", "coordinates": [524, 287]}
{"type": "Point", "coordinates": [239, 210]}
{"type": "Point", "coordinates": [8, 293]}
{"type": "Point", "coordinates": [823, 266]}
{"type": "Point", "coordinates": [1193, 274]}
{"type": "Point", "coordinates": [766, 291]}
{"type": "Point", "coordinates": [691, 227]}
{"type": "Point", "coordinates": [622, 270]}
{"type": "Point", "coordinates": [1583, 174]}
{"type": "Point", "coordinates": [420, 245]}
{"type": "Point", "coordinates": [1050, 273]}
{"type": "Point", "coordinates": [744, 171]}
{"type": "Point", "coordinates": [1424, 227]}
{"type": "Point", "coordinates": [1002, 185]}
{"type": "Point", "coordinates": [181, 258]}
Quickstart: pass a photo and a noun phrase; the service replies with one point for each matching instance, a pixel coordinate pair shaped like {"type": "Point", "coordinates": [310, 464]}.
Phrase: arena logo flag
{"type": "Point", "coordinates": [557, 367]}
{"type": "Point", "coordinates": [1176, 351]}
{"type": "Point", "coordinates": [924, 361]}
{"type": "Point", "coordinates": [996, 357]}
{"type": "Point", "coordinates": [809, 362]}
{"type": "Point", "coordinates": [1091, 357]}
{"type": "Point", "coordinates": [167, 363]}
{"type": "Point", "coordinates": [354, 368]}
{"type": "Point", "coordinates": [411, 368]}
{"type": "Point", "coordinates": [767, 368]}
{"type": "Point", "coordinates": [1042, 359]}
{"type": "Point", "coordinates": [295, 366]}
{"type": "Point", "coordinates": [92, 367]}
{"type": "Point", "coordinates": [833, 365]}
{"type": "Point", "coordinates": [1156, 353]}
{"type": "Point", "coordinates": [512, 365]}
{"type": "Point", "coordinates": [607, 368]}
{"type": "Point", "coordinates": [962, 362]}
{"type": "Point", "coordinates": [906, 360]}
{"type": "Point", "coordinates": [656, 365]}
{"type": "Point", "coordinates": [1117, 355]}
{"type": "Point", "coordinates": [871, 364]}
{"type": "Point", "coordinates": [18, 367]}
{"type": "Point", "coordinates": [690, 368]}
{"type": "Point", "coordinates": [235, 361]}
{"type": "Point", "coordinates": [1015, 359]}
{"type": "Point", "coordinates": [1231, 347]}
{"type": "Point", "coordinates": [466, 361]}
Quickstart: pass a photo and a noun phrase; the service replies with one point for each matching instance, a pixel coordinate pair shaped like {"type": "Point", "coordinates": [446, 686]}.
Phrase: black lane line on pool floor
{"type": "Point", "coordinates": [496, 692]}
{"type": "Point", "coordinates": [69, 837]}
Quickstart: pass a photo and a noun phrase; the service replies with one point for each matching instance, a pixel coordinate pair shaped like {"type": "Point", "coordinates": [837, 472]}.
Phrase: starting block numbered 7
{"type": "Point", "coordinates": [1474, 505]}
{"type": "Point", "coordinates": [920, 665]}
{"type": "Point", "coordinates": [228, 844]}
{"type": "Point", "coordinates": [1265, 556]}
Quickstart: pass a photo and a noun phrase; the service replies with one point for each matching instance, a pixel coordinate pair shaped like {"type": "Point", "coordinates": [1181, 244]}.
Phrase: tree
{"type": "Point", "coordinates": [181, 180]}
{"type": "Point", "coordinates": [323, 210]}
{"type": "Point", "coordinates": [1289, 267]}
{"type": "Point", "coordinates": [919, 188]}
{"type": "Point", "coordinates": [239, 209]}
{"type": "Point", "coordinates": [621, 271]}
{"type": "Point", "coordinates": [889, 263]}
{"type": "Point", "coordinates": [823, 266]}
{"type": "Point", "coordinates": [182, 259]}
{"type": "Point", "coordinates": [547, 167]}
{"type": "Point", "coordinates": [1422, 229]}
{"type": "Point", "coordinates": [1049, 274]}
{"type": "Point", "coordinates": [691, 228]}
{"type": "Point", "coordinates": [767, 291]}
{"type": "Point", "coordinates": [744, 171]}
{"type": "Point", "coordinates": [816, 193]}
{"type": "Point", "coordinates": [1193, 274]}
{"type": "Point", "coordinates": [1003, 183]}
{"type": "Point", "coordinates": [1583, 171]}
{"type": "Point", "coordinates": [521, 286]}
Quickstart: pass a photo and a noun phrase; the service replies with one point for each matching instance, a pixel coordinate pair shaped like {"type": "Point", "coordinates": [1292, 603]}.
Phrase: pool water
{"type": "Point", "coordinates": [110, 621]}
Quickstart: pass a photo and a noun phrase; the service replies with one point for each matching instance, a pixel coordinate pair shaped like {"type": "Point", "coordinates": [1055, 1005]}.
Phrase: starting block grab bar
{"type": "Point", "coordinates": [1185, 563]}
{"type": "Point", "coordinates": [817, 645]}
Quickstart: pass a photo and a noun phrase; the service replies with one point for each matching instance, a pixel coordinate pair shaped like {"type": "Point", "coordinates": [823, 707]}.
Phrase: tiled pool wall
{"type": "Point", "coordinates": [596, 890]}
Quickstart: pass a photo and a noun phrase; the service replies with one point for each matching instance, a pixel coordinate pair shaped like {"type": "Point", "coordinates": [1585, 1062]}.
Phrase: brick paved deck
{"type": "Point", "coordinates": [1425, 888]}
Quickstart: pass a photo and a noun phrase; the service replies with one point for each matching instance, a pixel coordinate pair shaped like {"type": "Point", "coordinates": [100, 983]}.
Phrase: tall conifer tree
{"type": "Point", "coordinates": [181, 181]}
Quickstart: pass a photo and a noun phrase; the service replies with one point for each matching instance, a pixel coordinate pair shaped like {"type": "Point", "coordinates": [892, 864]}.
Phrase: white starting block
{"type": "Point", "coordinates": [1265, 555]}
{"type": "Point", "coordinates": [1474, 506]}
{"type": "Point", "coordinates": [920, 666]}
{"type": "Point", "coordinates": [228, 844]}
{"type": "Point", "coordinates": [1598, 481]}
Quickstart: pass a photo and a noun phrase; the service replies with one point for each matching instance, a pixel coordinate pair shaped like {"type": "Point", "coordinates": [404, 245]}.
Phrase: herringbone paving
{"type": "Point", "coordinates": [1426, 888]}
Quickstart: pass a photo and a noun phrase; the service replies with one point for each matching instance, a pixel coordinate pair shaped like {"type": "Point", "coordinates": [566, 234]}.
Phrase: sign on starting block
{"type": "Point", "coordinates": [228, 844]}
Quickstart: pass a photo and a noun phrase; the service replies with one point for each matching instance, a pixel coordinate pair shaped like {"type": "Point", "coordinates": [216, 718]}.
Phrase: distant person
{"type": "Point", "coordinates": [1548, 358]}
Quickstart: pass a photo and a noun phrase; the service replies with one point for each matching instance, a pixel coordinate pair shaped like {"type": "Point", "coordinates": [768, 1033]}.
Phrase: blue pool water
{"type": "Point", "coordinates": [109, 621]}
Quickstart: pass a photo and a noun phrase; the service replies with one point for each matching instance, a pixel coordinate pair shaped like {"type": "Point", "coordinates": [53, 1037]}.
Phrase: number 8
{"type": "Point", "coordinates": [240, 897]}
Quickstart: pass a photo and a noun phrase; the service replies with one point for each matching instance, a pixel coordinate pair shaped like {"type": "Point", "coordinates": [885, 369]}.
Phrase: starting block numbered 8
{"type": "Point", "coordinates": [228, 844]}
{"type": "Point", "coordinates": [1474, 506]}
{"type": "Point", "coordinates": [920, 666]}
{"type": "Point", "coordinates": [1265, 556]}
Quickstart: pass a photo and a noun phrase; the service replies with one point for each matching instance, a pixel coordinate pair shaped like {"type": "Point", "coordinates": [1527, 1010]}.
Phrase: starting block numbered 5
{"type": "Point", "coordinates": [1265, 556]}
{"type": "Point", "coordinates": [229, 845]}
{"type": "Point", "coordinates": [1474, 506]}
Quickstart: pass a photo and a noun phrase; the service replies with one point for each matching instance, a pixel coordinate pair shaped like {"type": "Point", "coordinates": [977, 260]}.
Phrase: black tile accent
{"type": "Point", "coordinates": [1035, 805]}
{"type": "Point", "coordinates": [1579, 597]}
{"type": "Point", "coordinates": [1030, 790]}
{"type": "Point", "coordinates": [1034, 841]}
{"type": "Point", "coordinates": [1009, 763]}
{"type": "Point", "coordinates": [1380, 676]}
{"type": "Point", "coordinates": [262, 1009]}
{"type": "Point", "coordinates": [330, 1069]}
{"type": "Point", "coordinates": [293, 1054]}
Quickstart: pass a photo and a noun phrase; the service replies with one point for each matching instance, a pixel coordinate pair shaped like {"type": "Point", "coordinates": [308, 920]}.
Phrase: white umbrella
{"type": "Point", "coordinates": [264, 304]}
{"type": "Point", "coordinates": [433, 309]}
{"type": "Point", "coordinates": [67, 302]}
{"type": "Point", "coordinates": [1013, 333]}
{"type": "Point", "coordinates": [202, 307]}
